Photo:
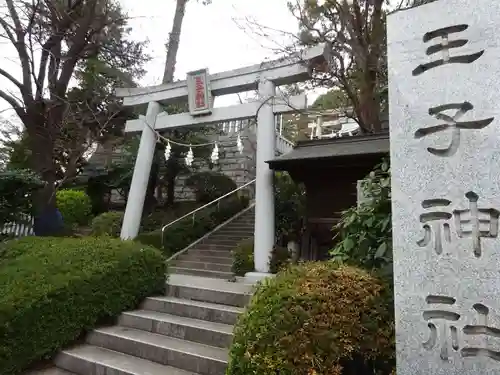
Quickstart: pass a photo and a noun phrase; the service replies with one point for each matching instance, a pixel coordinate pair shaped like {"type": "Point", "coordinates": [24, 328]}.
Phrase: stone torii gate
{"type": "Point", "coordinates": [265, 78]}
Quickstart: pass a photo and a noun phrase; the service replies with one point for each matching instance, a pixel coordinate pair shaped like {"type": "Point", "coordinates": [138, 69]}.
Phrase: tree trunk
{"type": "Point", "coordinates": [150, 200]}
{"type": "Point", "coordinates": [159, 192]}
{"type": "Point", "coordinates": [172, 171]}
{"type": "Point", "coordinates": [369, 103]}
{"type": "Point", "coordinates": [170, 189]}
{"type": "Point", "coordinates": [174, 41]}
{"type": "Point", "coordinates": [41, 140]}
{"type": "Point", "coordinates": [168, 77]}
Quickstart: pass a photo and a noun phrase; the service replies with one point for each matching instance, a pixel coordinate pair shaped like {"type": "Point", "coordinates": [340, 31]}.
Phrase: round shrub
{"type": "Point", "coordinates": [107, 224]}
{"type": "Point", "coordinates": [243, 261]}
{"type": "Point", "coordinates": [208, 186]}
{"type": "Point", "coordinates": [75, 206]}
{"type": "Point", "coordinates": [316, 318]}
{"type": "Point", "coordinates": [243, 258]}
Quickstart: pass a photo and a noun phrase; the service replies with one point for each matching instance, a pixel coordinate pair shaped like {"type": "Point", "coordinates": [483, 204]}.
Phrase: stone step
{"type": "Point", "coordinates": [209, 290]}
{"type": "Point", "coordinates": [204, 252]}
{"type": "Point", "coordinates": [228, 237]}
{"type": "Point", "coordinates": [202, 266]}
{"type": "Point", "coordinates": [243, 219]}
{"type": "Point", "coordinates": [203, 273]}
{"type": "Point", "coordinates": [241, 223]}
{"type": "Point", "coordinates": [92, 360]}
{"type": "Point", "coordinates": [50, 371]}
{"type": "Point", "coordinates": [194, 256]}
{"type": "Point", "coordinates": [234, 232]}
{"type": "Point", "coordinates": [246, 229]}
{"type": "Point", "coordinates": [195, 330]}
{"type": "Point", "coordinates": [181, 354]}
{"type": "Point", "coordinates": [214, 246]}
{"type": "Point", "coordinates": [219, 241]}
{"type": "Point", "coordinates": [193, 309]}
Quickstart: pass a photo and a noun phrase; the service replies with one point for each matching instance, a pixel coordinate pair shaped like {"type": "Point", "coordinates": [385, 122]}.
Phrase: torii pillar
{"type": "Point", "coordinates": [264, 184]}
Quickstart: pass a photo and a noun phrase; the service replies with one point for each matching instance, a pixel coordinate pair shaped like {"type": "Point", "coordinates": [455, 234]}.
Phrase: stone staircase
{"type": "Point", "coordinates": [211, 256]}
{"type": "Point", "coordinates": [186, 332]}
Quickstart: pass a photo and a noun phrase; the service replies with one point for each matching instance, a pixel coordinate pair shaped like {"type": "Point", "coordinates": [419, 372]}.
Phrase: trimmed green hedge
{"type": "Point", "coordinates": [108, 224]}
{"type": "Point", "coordinates": [316, 318]}
{"type": "Point", "coordinates": [54, 289]}
{"type": "Point", "coordinates": [186, 231]}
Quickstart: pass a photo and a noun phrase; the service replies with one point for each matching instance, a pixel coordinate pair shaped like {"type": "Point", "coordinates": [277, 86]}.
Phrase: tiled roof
{"type": "Point", "coordinates": [367, 144]}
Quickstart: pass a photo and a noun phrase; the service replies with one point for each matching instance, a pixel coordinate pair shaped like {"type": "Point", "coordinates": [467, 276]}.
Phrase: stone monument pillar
{"type": "Point", "coordinates": [445, 163]}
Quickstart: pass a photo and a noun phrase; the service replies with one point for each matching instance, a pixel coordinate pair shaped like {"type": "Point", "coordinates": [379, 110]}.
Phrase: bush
{"type": "Point", "coordinates": [208, 186]}
{"type": "Point", "coordinates": [289, 207]}
{"type": "Point", "coordinates": [107, 224]}
{"type": "Point", "coordinates": [158, 218]}
{"type": "Point", "coordinates": [365, 232]}
{"type": "Point", "coordinates": [316, 318]}
{"type": "Point", "coordinates": [243, 258]}
{"type": "Point", "coordinates": [75, 206]}
{"type": "Point", "coordinates": [54, 289]}
{"type": "Point", "coordinates": [243, 254]}
{"type": "Point", "coordinates": [16, 190]}
{"type": "Point", "coordinates": [99, 193]}
{"type": "Point", "coordinates": [186, 231]}
{"type": "Point", "coordinates": [280, 257]}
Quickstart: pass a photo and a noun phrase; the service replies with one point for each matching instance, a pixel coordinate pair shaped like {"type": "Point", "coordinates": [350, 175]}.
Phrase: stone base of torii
{"type": "Point", "coordinates": [263, 77]}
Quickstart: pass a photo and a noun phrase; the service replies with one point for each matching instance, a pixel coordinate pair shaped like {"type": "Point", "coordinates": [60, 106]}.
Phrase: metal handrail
{"type": "Point", "coordinates": [202, 207]}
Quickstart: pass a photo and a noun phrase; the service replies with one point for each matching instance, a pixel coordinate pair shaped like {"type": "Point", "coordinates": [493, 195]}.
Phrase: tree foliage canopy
{"type": "Point", "coordinates": [16, 187]}
{"type": "Point", "coordinates": [57, 43]}
{"type": "Point", "coordinates": [357, 73]}
{"type": "Point", "coordinates": [356, 31]}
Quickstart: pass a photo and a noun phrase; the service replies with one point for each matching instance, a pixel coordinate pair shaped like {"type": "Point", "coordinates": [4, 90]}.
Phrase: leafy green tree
{"type": "Point", "coordinates": [365, 232]}
{"type": "Point", "coordinates": [57, 41]}
{"type": "Point", "coordinates": [289, 207]}
{"type": "Point", "coordinates": [333, 99]}
{"type": "Point", "coordinates": [14, 148]}
{"type": "Point", "coordinates": [356, 31]}
{"type": "Point", "coordinates": [16, 189]}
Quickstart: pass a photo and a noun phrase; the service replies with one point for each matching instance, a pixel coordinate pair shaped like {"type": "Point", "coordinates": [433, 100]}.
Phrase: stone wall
{"type": "Point", "coordinates": [240, 167]}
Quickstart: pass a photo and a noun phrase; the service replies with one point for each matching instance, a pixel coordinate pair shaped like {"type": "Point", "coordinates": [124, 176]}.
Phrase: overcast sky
{"type": "Point", "coordinates": [215, 36]}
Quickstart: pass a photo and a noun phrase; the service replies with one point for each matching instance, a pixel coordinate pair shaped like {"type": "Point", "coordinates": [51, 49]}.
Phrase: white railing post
{"type": "Point", "coordinates": [319, 126]}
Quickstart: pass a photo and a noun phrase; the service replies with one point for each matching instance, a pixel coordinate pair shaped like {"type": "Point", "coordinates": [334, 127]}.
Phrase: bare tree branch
{"type": "Point", "coordinates": [78, 43]}
{"type": "Point", "coordinates": [13, 103]}
{"type": "Point", "coordinates": [20, 46]}
{"type": "Point", "coordinates": [56, 41]}
{"type": "Point", "coordinates": [60, 27]}
{"type": "Point", "coordinates": [8, 30]}
{"type": "Point", "coordinates": [11, 78]}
